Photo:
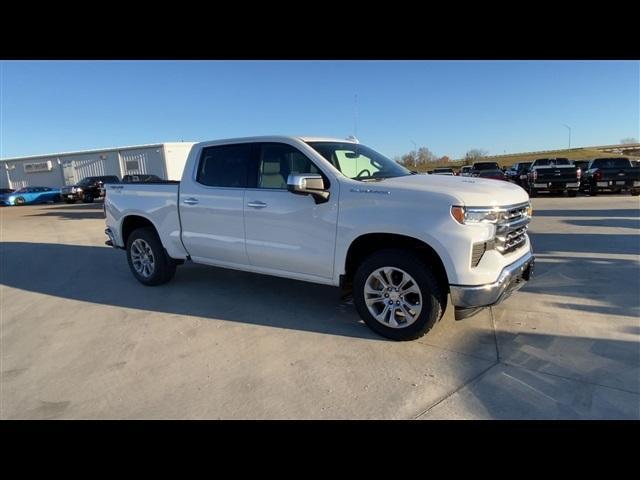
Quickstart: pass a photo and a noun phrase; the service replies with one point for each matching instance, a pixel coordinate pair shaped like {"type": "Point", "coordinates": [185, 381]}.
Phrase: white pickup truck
{"type": "Point", "coordinates": [333, 212]}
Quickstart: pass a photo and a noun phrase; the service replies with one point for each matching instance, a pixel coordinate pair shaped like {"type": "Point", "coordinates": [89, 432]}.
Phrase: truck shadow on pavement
{"type": "Point", "coordinates": [76, 211]}
{"type": "Point", "coordinates": [537, 375]}
{"type": "Point", "coordinates": [542, 376]}
{"type": "Point", "coordinates": [101, 275]}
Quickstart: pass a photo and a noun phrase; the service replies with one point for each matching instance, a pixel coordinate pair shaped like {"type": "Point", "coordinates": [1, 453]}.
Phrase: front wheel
{"type": "Point", "coordinates": [20, 201]}
{"type": "Point", "coordinates": [397, 295]}
{"type": "Point", "coordinates": [148, 259]}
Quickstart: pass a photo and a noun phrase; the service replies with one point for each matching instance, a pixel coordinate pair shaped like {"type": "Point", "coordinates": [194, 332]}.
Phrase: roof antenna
{"type": "Point", "coordinates": [354, 137]}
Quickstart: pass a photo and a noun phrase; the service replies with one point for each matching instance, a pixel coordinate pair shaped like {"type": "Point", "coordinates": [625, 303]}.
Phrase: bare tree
{"type": "Point", "coordinates": [474, 155]}
{"type": "Point", "coordinates": [425, 156]}
{"type": "Point", "coordinates": [628, 140]}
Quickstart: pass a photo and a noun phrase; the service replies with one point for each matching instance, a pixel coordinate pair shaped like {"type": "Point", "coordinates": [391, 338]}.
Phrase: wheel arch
{"type": "Point", "coordinates": [368, 243]}
{"type": "Point", "coordinates": [133, 222]}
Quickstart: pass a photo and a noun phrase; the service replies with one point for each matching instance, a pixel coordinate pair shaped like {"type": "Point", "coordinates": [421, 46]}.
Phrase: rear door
{"type": "Point", "coordinates": [285, 231]}
{"type": "Point", "coordinates": [211, 205]}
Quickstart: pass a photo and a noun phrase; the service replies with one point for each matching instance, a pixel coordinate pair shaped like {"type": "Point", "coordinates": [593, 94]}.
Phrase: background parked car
{"type": "Point", "coordinates": [31, 195]}
{"type": "Point", "coordinates": [488, 170]}
{"type": "Point", "coordinates": [443, 171]}
{"type": "Point", "coordinates": [465, 171]}
{"type": "Point", "coordinates": [87, 189]}
{"type": "Point", "coordinates": [554, 175]}
{"type": "Point", "coordinates": [613, 174]}
{"type": "Point", "coordinates": [518, 173]}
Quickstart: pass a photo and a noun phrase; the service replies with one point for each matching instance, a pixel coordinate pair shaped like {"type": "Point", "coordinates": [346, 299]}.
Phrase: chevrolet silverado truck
{"type": "Point", "coordinates": [554, 175]}
{"type": "Point", "coordinates": [333, 212]}
{"type": "Point", "coordinates": [612, 174]}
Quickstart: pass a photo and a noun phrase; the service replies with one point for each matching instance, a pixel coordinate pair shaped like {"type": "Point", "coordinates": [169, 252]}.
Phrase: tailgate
{"type": "Point", "coordinates": [621, 174]}
{"type": "Point", "coordinates": [554, 174]}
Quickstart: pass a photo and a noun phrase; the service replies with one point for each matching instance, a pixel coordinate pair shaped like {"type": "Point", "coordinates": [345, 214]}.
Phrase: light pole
{"type": "Point", "coordinates": [416, 157]}
{"type": "Point", "coordinates": [569, 128]}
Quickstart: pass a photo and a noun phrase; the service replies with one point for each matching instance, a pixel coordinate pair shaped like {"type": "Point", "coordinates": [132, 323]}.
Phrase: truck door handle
{"type": "Point", "coordinates": [256, 204]}
{"type": "Point", "coordinates": [190, 201]}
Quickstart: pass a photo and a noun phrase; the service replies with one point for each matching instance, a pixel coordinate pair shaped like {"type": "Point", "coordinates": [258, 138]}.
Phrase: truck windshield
{"type": "Point", "coordinates": [86, 181]}
{"type": "Point", "coordinates": [358, 162]}
{"type": "Point", "coordinates": [551, 162]}
{"type": "Point", "coordinates": [486, 166]}
{"type": "Point", "coordinates": [611, 163]}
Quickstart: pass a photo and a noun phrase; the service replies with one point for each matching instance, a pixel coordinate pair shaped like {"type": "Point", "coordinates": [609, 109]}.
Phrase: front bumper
{"type": "Point", "coordinates": [512, 278]}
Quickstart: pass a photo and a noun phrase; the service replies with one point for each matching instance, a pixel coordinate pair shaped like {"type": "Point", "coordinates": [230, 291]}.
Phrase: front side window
{"type": "Point", "coordinates": [276, 161]}
{"type": "Point", "coordinates": [225, 166]}
{"type": "Point", "coordinates": [358, 162]}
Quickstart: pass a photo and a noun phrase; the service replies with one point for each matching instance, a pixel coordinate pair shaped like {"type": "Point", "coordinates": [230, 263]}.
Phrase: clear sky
{"type": "Point", "coordinates": [447, 106]}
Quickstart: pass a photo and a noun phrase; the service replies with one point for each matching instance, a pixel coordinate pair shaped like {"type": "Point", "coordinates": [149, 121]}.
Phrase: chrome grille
{"type": "Point", "coordinates": [511, 230]}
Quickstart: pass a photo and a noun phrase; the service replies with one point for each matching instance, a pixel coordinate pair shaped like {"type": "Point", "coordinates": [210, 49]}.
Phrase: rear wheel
{"type": "Point", "coordinates": [635, 192]}
{"type": "Point", "coordinates": [397, 295]}
{"type": "Point", "coordinates": [20, 201]}
{"type": "Point", "coordinates": [572, 193]}
{"type": "Point", "coordinates": [148, 259]}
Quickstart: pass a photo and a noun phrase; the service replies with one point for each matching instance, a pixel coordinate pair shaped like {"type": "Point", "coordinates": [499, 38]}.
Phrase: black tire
{"type": "Point", "coordinates": [635, 192]}
{"type": "Point", "coordinates": [533, 192]}
{"type": "Point", "coordinates": [19, 201]}
{"type": "Point", "coordinates": [593, 190]}
{"type": "Point", "coordinates": [69, 201]}
{"type": "Point", "coordinates": [87, 198]}
{"type": "Point", "coordinates": [433, 293]}
{"type": "Point", "coordinates": [572, 193]}
{"type": "Point", "coordinates": [164, 266]}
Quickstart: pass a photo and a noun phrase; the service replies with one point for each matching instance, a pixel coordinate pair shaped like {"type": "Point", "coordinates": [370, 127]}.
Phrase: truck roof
{"type": "Point", "coordinates": [275, 138]}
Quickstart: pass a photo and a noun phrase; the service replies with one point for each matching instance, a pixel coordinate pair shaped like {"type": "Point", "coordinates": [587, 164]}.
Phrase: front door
{"type": "Point", "coordinates": [285, 231]}
{"type": "Point", "coordinates": [212, 203]}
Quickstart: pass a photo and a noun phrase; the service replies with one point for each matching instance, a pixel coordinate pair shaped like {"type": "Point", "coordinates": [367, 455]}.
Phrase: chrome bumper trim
{"type": "Point", "coordinates": [512, 278]}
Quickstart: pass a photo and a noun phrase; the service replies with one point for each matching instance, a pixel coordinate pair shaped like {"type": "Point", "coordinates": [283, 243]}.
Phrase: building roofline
{"type": "Point", "coordinates": [95, 150]}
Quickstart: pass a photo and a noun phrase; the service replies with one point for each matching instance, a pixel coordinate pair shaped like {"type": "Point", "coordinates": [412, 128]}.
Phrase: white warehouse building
{"type": "Point", "coordinates": [165, 160]}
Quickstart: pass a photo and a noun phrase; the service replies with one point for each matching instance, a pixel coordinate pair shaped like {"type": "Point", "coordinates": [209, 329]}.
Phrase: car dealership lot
{"type": "Point", "coordinates": [81, 338]}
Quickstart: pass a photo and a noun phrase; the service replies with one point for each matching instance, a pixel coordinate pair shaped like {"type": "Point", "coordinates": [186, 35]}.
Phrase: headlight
{"type": "Point", "coordinates": [476, 216]}
{"type": "Point", "coordinates": [11, 199]}
{"type": "Point", "coordinates": [468, 216]}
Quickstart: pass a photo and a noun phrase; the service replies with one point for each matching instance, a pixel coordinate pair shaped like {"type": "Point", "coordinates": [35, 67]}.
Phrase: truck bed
{"type": "Point", "coordinates": [156, 202]}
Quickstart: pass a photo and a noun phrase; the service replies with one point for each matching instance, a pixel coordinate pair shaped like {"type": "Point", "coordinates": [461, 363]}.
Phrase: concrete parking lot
{"type": "Point", "coordinates": [80, 338]}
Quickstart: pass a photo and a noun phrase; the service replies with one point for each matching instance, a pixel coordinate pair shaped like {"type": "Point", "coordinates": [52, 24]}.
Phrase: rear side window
{"type": "Point", "coordinates": [225, 166]}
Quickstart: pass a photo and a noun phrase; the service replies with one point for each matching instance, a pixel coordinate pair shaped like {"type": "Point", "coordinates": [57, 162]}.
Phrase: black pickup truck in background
{"type": "Point", "coordinates": [87, 189]}
{"type": "Point", "coordinates": [518, 173]}
{"type": "Point", "coordinates": [612, 174]}
{"type": "Point", "coordinates": [554, 175]}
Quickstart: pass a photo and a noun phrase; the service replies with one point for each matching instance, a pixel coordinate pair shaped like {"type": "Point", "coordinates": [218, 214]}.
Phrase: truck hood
{"type": "Point", "coordinates": [470, 191]}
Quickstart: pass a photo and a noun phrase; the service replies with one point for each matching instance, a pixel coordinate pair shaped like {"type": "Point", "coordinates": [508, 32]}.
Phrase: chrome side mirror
{"type": "Point", "coordinates": [308, 184]}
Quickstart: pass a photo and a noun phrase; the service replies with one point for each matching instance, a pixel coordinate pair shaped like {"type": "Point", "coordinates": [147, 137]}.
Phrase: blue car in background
{"type": "Point", "coordinates": [30, 196]}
